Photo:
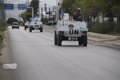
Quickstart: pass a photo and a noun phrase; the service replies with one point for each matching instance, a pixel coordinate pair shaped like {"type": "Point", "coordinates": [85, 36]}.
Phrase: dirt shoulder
{"type": "Point", "coordinates": [105, 40]}
{"type": "Point", "coordinates": [5, 58]}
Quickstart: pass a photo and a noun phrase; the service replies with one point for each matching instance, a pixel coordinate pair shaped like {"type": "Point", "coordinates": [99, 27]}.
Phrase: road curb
{"type": "Point", "coordinates": [110, 43]}
{"type": "Point", "coordinates": [104, 36]}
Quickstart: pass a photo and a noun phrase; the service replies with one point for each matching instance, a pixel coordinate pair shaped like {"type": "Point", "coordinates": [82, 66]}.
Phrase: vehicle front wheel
{"type": "Point", "coordinates": [59, 40]}
{"type": "Point", "coordinates": [55, 39]}
{"type": "Point", "coordinates": [84, 39]}
{"type": "Point", "coordinates": [80, 41]}
{"type": "Point", "coordinates": [25, 28]}
{"type": "Point", "coordinates": [30, 29]}
{"type": "Point", "coordinates": [41, 29]}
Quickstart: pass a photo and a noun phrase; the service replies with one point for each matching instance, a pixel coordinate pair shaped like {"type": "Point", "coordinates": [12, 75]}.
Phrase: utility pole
{"type": "Point", "coordinates": [28, 2]}
{"type": "Point", "coordinates": [2, 12]}
{"type": "Point", "coordinates": [32, 12]}
{"type": "Point", "coordinates": [45, 7]}
{"type": "Point", "coordinates": [41, 12]}
{"type": "Point", "coordinates": [58, 9]}
{"type": "Point", "coordinates": [49, 13]}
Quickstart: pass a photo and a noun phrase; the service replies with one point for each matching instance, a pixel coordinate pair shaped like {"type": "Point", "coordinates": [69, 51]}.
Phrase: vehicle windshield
{"type": "Point", "coordinates": [15, 23]}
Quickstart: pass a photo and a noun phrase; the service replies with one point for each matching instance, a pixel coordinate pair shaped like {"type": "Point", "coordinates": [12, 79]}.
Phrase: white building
{"type": "Point", "coordinates": [49, 4]}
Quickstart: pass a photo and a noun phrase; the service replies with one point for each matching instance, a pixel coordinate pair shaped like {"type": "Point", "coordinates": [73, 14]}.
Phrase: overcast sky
{"type": "Point", "coordinates": [49, 2]}
{"type": "Point", "coordinates": [15, 1]}
{"type": "Point", "coordinates": [42, 2]}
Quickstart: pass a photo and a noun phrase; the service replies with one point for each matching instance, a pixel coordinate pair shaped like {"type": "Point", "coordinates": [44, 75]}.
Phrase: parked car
{"type": "Point", "coordinates": [15, 25]}
{"type": "Point", "coordinates": [27, 24]}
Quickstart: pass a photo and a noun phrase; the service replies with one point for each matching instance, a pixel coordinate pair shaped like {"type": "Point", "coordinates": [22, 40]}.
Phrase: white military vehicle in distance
{"type": "Point", "coordinates": [27, 24]}
{"type": "Point", "coordinates": [15, 25]}
{"type": "Point", "coordinates": [67, 30]}
{"type": "Point", "coordinates": [36, 24]}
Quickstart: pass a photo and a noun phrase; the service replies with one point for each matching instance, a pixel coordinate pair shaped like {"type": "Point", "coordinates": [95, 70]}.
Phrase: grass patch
{"type": "Point", "coordinates": [2, 29]}
{"type": "Point", "coordinates": [105, 28]}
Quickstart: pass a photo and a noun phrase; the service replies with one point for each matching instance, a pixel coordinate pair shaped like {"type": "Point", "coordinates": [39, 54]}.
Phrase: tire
{"type": "Point", "coordinates": [84, 39]}
{"type": "Point", "coordinates": [55, 39]}
{"type": "Point", "coordinates": [80, 41]}
{"type": "Point", "coordinates": [41, 29]}
{"type": "Point", "coordinates": [25, 28]}
{"type": "Point", "coordinates": [59, 40]}
{"type": "Point", "coordinates": [30, 29]}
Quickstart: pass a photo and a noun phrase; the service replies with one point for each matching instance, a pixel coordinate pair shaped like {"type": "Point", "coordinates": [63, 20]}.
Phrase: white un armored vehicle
{"type": "Point", "coordinates": [71, 31]}
{"type": "Point", "coordinates": [36, 25]}
{"type": "Point", "coordinates": [26, 25]}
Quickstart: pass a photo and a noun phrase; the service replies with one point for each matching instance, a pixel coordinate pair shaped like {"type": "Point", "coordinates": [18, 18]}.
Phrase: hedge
{"type": "Point", "coordinates": [105, 27]}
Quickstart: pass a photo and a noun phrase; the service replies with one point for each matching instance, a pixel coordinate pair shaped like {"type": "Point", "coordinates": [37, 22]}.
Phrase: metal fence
{"type": "Point", "coordinates": [2, 12]}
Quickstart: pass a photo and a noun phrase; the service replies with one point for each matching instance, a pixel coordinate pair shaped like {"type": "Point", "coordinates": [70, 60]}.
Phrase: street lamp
{"type": "Point", "coordinates": [32, 12]}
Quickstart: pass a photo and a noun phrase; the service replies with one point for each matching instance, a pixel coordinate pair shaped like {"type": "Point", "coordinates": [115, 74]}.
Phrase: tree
{"type": "Point", "coordinates": [94, 7]}
{"type": "Point", "coordinates": [68, 6]}
{"type": "Point", "coordinates": [27, 15]}
{"type": "Point", "coordinates": [35, 5]}
{"type": "Point", "coordinates": [116, 9]}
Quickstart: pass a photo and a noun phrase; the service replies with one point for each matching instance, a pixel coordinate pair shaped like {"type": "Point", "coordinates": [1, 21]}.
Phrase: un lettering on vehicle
{"type": "Point", "coordinates": [73, 32]}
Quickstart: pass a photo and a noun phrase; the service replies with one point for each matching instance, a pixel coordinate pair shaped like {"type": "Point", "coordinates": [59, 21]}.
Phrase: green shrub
{"type": "Point", "coordinates": [104, 28]}
{"type": "Point", "coordinates": [90, 26]}
{"type": "Point", "coordinates": [1, 38]}
{"type": "Point", "coordinates": [2, 27]}
{"type": "Point", "coordinates": [117, 28]}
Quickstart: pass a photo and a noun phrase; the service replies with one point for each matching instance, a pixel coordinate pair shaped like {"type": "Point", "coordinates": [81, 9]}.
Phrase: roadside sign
{"type": "Point", "coordinates": [22, 6]}
{"type": "Point", "coordinates": [9, 6]}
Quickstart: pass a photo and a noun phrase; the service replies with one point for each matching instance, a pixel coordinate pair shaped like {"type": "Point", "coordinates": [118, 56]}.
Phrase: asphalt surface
{"type": "Point", "coordinates": [39, 59]}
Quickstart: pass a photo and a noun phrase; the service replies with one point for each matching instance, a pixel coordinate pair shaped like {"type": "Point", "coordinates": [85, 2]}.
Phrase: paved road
{"type": "Point", "coordinates": [39, 59]}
